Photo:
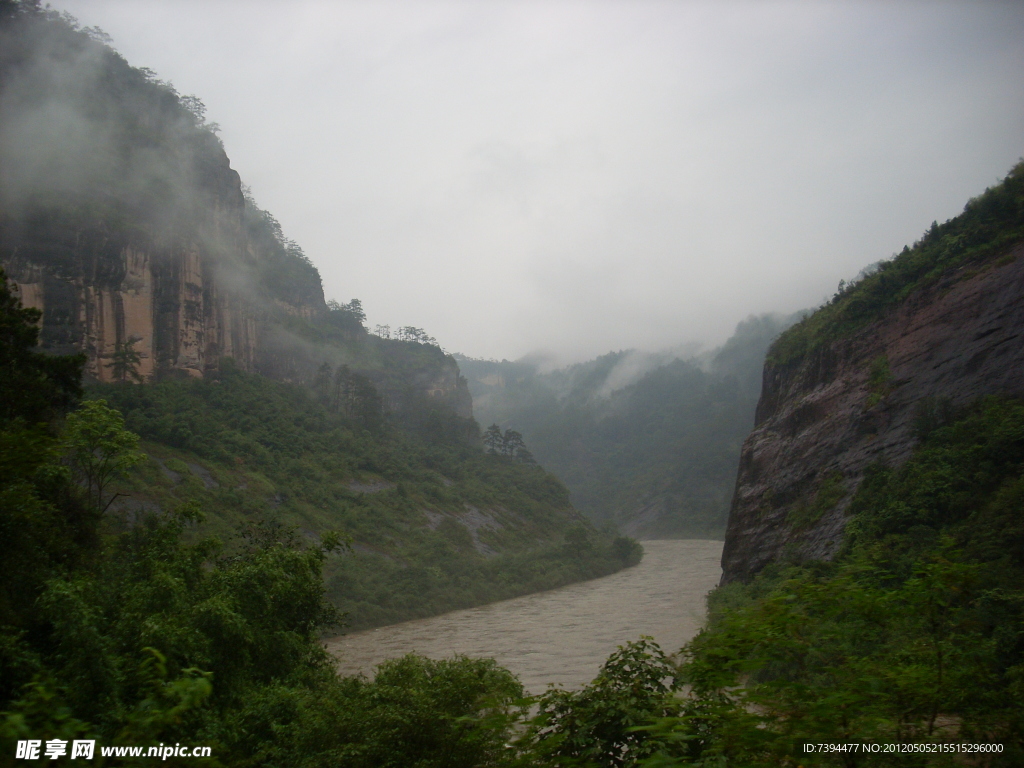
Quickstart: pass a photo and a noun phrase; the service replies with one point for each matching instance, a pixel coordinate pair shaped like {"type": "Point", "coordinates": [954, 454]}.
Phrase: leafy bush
{"type": "Point", "coordinates": [601, 725]}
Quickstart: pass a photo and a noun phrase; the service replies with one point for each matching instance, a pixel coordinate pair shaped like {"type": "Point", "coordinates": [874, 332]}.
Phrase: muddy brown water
{"type": "Point", "coordinates": [559, 637]}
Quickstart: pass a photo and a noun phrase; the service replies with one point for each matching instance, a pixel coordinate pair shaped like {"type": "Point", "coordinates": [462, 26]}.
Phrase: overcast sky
{"type": "Point", "coordinates": [578, 177]}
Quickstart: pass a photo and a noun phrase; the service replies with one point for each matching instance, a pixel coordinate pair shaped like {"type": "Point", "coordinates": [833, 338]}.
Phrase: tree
{"type": "Point", "coordinates": [578, 541]}
{"type": "Point", "coordinates": [355, 308]}
{"type": "Point", "coordinates": [493, 439]}
{"type": "Point", "coordinates": [418, 335]}
{"type": "Point", "coordinates": [341, 390]}
{"type": "Point", "coordinates": [511, 443]}
{"type": "Point", "coordinates": [322, 383]}
{"type": "Point", "coordinates": [347, 317]}
{"type": "Point", "coordinates": [32, 385]}
{"type": "Point", "coordinates": [524, 456]}
{"type": "Point", "coordinates": [598, 726]}
{"type": "Point", "coordinates": [125, 361]}
{"type": "Point", "coordinates": [99, 448]}
{"type": "Point", "coordinates": [365, 404]}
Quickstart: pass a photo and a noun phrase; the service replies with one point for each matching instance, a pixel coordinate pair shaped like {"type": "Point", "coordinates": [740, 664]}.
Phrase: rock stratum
{"type": "Point", "coordinates": [933, 330]}
{"type": "Point", "coordinates": [122, 220]}
{"type": "Point", "coordinates": [97, 291]}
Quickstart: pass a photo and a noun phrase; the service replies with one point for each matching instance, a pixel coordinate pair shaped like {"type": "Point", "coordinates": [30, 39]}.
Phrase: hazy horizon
{"type": "Point", "coordinates": [572, 178]}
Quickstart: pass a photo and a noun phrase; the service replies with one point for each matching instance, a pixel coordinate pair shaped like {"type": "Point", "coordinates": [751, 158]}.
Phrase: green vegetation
{"type": "Point", "coordinates": [602, 724]}
{"type": "Point", "coordinates": [371, 441]}
{"type": "Point", "coordinates": [912, 636]}
{"type": "Point", "coordinates": [643, 441]}
{"type": "Point", "coordinates": [125, 361]}
{"type": "Point", "coordinates": [805, 514]}
{"type": "Point", "coordinates": [880, 381]}
{"type": "Point", "coordinates": [98, 449]}
{"type": "Point", "coordinates": [437, 523]}
{"type": "Point", "coordinates": [138, 627]}
{"type": "Point", "coordinates": [990, 224]}
{"type": "Point", "coordinates": [182, 596]}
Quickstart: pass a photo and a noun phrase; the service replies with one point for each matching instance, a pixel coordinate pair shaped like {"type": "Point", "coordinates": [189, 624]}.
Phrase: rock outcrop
{"type": "Point", "coordinates": [825, 417]}
{"type": "Point", "coordinates": [169, 301]}
{"type": "Point", "coordinates": [122, 220]}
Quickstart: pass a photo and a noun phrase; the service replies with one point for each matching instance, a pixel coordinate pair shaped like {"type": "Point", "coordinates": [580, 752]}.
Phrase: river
{"type": "Point", "coordinates": [562, 636]}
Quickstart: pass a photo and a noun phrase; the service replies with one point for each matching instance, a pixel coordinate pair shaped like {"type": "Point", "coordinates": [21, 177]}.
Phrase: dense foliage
{"type": "Point", "coordinates": [137, 627]}
{"type": "Point", "coordinates": [437, 523]}
{"type": "Point", "coordinates": [989, 225]}
{"type": "Point", "coordinates": [642, 441]}
{"type": "Point", "coordinates": [913, 636]}
{"type": "Point", "coordinates": [32, 385]}
{"type": "Point", "coordinates": [603, 724]}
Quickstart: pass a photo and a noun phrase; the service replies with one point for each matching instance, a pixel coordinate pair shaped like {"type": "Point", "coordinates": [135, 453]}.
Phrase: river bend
{"type": "Point", "coordinates": [562, 636]}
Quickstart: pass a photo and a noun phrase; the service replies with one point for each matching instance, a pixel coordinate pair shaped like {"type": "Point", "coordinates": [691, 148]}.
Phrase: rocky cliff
{"type": "Point", "coordinates": [853, 385]}
{"type": "Point", "coordinates": [121, 217]}
{"type": "Point", "coordinates": [122, 220]}
{"type": "Point", "coordinates": [167, 300]}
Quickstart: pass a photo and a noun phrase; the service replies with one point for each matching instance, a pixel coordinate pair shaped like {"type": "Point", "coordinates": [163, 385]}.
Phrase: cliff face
{"type": "Point", "coordinates": [174, 302]}
{"type": "Point", "coordinates": [825, 417]}
{"type": "Point", "coordinates": [121, 218]}
{"type": "Point", "coordinates": [123, 221]}
{"type": "Point", "coordinates": [99, 288]}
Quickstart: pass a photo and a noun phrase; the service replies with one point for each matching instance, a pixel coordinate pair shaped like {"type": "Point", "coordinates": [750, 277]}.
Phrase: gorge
{"type": "Point", "coordinates": [231, 515]}
{"type": "Point", "coordinates": [931, 332]}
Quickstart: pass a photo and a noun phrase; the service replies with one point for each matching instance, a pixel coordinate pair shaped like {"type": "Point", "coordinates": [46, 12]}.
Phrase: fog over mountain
{"type": "Point", "coordinates": [577, 177]}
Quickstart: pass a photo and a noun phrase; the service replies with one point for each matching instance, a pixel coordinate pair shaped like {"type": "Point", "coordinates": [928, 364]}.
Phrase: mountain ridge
{"type": "Point", "coordinates": [931, 331]}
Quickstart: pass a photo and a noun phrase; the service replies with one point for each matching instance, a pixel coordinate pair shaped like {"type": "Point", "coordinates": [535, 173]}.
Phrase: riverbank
{"type": "Point", "coordinates": [562, 636]}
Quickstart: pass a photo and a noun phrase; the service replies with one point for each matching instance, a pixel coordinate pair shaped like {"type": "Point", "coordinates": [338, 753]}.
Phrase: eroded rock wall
{"type": "Point", "coordinates": [823, 420]}
{"type": "Point", "coordinates": [166, 301]}
{"type": "Point", "coordinates": [184, 293]}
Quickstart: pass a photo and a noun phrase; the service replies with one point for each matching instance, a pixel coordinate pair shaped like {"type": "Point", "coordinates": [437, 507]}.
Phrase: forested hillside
{"type": "Point", "coordinates": [931, 330]}
{"type": "Point", "coordinates": [169, 527]}
{"type": "Point", "coordinates": [646, 442]}
{"type": "Point", "coordinates": [906, 628]}
{"type": "Point", "coordinates": [436, 524]}
{"type": "Point", "coordinates": [903, 651]}
{"type": "Point", "coordinates": [135, 628]}
{"type": "Point", "coordinates": [199, 321]}
{"type": "Point", "coordinates": [901, 643]}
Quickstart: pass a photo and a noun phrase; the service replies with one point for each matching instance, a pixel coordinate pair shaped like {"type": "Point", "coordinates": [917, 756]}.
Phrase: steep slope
{"type": "Point", "coordinates": [860, 381]}
{"type": "Point", "coordinates": [122, 221]}
{"type": "Point", "coordinates": [436, 524]}
{"type": "Point", "coordinates": [122, 218]}
{"type": "Point", "coordinates": [643, 441]}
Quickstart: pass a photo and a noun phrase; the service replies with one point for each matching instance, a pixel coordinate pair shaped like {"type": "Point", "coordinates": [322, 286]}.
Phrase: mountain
{"type": "Point", "coordinates": [873, 569]}
{"type": "Point", "coordinates": [861, 381]}
{"type": "Point", "coordinates": [646, 442]}
{"type": "Point", "coordinates": [122, 220]}
{"type": "Point", "coordinates": [124, 225]}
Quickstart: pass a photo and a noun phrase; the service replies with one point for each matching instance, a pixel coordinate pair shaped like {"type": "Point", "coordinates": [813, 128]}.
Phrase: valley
{"type": "Point", "coordinates": [236, 513]}
{"type": "Point", "coordinates": [560, 637]}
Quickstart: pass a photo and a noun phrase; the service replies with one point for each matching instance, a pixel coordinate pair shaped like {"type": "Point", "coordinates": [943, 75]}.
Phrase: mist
{"type": "Point", "coordinates": [571, 178]}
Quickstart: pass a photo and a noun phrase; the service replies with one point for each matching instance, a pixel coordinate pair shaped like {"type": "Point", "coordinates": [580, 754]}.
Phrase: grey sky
{"type": "Point", "coordinates": [580, 177]}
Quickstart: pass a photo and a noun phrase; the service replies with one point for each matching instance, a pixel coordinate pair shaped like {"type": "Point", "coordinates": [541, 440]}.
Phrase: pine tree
{"type": "Point", "coordinates": [125, 361]}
